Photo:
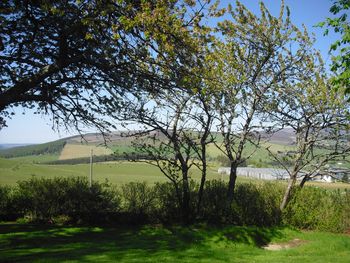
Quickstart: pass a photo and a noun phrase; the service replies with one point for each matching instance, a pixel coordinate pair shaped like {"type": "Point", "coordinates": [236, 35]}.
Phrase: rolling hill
{"type": "Point", "coordinates": [78, 148]}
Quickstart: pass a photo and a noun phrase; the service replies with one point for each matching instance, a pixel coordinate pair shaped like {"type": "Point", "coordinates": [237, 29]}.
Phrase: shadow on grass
{"type": "Point", "coordinates": [23, 243]}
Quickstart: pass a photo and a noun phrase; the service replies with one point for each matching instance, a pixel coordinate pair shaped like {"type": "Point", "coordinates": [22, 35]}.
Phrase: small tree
{"type": "Point", "coordinates": [317, 113]}
{"type": "Point", "coordinates": [255, 59]}
{"type": "Point", "coordinates": [174, 131]}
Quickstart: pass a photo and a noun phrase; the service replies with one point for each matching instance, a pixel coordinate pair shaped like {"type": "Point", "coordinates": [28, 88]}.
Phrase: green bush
{"type": "Point", "coordinates": [168, 209]}
{"type": "Point", "coordinates": [214, 203]}
{"type": "Point", "coordinates": [257, 204]}
{"type": "Point", "coordinates": [318, 209]}
{"type": "Point", "coordinates": [7, 209]}
{"type": "Point", "coordinates": [138, 201]}
{"type": "Point", "coordinates": [43, 199]}
{"type": "Point", "coordinates": [61, 200]}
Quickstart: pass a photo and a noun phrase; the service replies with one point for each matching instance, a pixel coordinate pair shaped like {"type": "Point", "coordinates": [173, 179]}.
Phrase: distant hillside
{"type": "Point", "coordinates": [283, 137]}
{"type": "Point", "coordinates": [80, 147]}
{"type": "Point", "coordinates": [36, 149]}
{"type": "Point", "coordinates": [13, 145]}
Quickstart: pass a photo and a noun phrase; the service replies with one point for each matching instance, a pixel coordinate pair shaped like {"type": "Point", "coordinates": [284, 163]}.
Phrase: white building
{"type": "Point", "coordinates": [258, 173]}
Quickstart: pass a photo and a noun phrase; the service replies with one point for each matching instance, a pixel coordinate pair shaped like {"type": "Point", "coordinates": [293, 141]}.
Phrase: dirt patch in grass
{"type": "Point", "coordinates": [285, 245]}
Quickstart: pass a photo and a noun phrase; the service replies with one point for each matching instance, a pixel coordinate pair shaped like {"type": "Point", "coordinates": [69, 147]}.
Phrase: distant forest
{"type": "Point", "coordinates": [38, 149]}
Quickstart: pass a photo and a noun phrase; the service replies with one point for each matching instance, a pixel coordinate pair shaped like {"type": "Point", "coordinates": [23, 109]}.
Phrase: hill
{"type": "Point", "coordinates": [78, 148]}
{"type": "Point", "coordinates": [13, 145]}
{"type": "Point", "coordinates": [36, 149]}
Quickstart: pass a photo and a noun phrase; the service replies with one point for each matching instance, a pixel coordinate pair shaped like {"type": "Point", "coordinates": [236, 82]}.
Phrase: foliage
{"type": "Point", "coordinates": [214, 205]}
{"type": "Point", "coordinates": [138, 201]}
{"type": "Point", "coordinates": [257, 204]}
{"type": "Point", "coordinates": [318, 209]}
{"type": "Point", "coordinates": [249, 61]}
{"type": "Point", "coordinates": [168, 208]}
{"type": "Point", "coordinates": [318, 116]}
{"type": "Point", "coordinates": [70, 59]}
{"type": "Point", "coordinates": [99, 158]}
{"type": "Point", "coordinates": [44, 199]}
{"type": "Point", "coordinates": [71, 200]}
{"type": "Point", "coordinates": [39, 149]}
{"type": "Point", "coordinates": [8, 209]}
{"type": "Point", "coordinates": [340, 24]}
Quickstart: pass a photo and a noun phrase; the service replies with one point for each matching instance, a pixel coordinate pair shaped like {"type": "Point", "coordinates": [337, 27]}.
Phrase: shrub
{"type": "Point", "coordinates": [214, 205]}
{"type": "Point", "coordinates": [318, 209]}
{"type": "Point", "coordinates": [257, 204]}
{"type": "Point", "coordinates": [169, 202]}
{"type": "Point", "coordinates": [138, 202]}
{"type": "Point", "coordinates": [7, 209]}
{"type": "Point", "coordinates": [43, 199]}
{"type": "Point", "coordinates": [168, 207]}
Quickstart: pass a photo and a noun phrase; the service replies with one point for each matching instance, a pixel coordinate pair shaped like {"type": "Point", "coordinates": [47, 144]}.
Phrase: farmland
{"type": "Point", "coordinates": [71, 151]}
{"type": "Point", "coordinates": [12, 171]}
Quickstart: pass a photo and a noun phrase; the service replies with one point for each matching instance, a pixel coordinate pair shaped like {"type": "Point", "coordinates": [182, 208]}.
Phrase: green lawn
{"type": "Point", "coordinates": [29, 243]}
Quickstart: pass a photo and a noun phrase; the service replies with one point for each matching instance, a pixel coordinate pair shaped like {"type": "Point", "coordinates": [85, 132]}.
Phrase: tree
{"type": "Point", "coordinates": [257, 56]}
{"type": "Point", "coordinates": [66, 58]}
{"type": "Point", "coordinates": [173, 133]}
{"type": "Point", "coordinates": [341, 25]}
{"type": "Point", "coordinates": [317, 113]}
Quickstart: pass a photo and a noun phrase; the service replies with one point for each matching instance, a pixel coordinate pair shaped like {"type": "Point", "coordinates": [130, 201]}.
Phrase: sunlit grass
{"type": "Point", "coordinates": [27, 243]}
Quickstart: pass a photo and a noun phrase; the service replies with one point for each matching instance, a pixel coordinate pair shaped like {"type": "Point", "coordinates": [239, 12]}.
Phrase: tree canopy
{"type": "Point", "coordinates": [70, 58]}
{"type": "Point", "coordinates": [341, 25]}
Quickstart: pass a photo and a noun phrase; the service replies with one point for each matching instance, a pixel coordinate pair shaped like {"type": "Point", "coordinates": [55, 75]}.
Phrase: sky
{"type": "Point", "coordinates": [27, 127]}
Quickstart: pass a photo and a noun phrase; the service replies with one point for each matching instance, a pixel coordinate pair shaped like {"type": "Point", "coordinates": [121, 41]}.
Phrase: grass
{"type": "Point", "coordinates": [259, 157]}
{"type": "Point", "coordinates": [37, 158]}
{"type": "Point", "coordinates": [30, 243]}
{"type": "Point", "coordinates": [12, 171]}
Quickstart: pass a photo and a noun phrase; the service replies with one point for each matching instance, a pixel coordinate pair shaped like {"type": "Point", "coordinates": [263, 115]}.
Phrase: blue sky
{"type": "Point", "coordinates": [30, 128]}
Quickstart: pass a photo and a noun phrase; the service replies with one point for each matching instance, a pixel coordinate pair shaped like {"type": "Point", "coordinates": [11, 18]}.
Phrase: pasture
{"type": "Point", "coordinates": [23, 168]}
{"type": "Point", "coordinates": [12, 171]}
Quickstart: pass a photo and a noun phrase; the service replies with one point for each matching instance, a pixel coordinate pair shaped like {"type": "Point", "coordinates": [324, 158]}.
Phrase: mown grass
{"type": "Point", "coordinates": [30, 243]}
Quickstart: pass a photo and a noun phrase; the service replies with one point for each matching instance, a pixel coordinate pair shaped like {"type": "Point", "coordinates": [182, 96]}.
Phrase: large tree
{"type": "Point", "coordinates": [64, 57]}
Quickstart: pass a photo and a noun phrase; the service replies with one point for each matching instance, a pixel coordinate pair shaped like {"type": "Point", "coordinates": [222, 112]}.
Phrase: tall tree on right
{"type": "Point", "coordinates": [340, 24]}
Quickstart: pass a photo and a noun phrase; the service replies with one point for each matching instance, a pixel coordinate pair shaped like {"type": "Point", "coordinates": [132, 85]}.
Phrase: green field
{"type": "Point", "coordinates": [12, 171]}
{"type": "Point", "coordinates": [30, 243]}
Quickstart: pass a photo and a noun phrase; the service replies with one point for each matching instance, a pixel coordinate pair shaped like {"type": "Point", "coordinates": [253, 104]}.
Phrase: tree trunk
{"type": "Point", "coordinates": [305, 178]}
{"type": "Point", "coordinates": [201, 186]}
{"type": "Point", "coordinates": [287, 193]}
{"type": "Point", "coordinates": [232, 182]}
{"type": "Point", "coordinates": [185, 198]}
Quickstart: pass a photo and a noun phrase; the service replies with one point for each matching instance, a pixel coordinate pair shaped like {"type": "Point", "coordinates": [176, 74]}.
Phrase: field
{"type": "Point", "coordinates": [71, 151]}
{"type": "Point", "coordinates": [30, 243]}
{"type": "Point", "coordinates": [12, 171]}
